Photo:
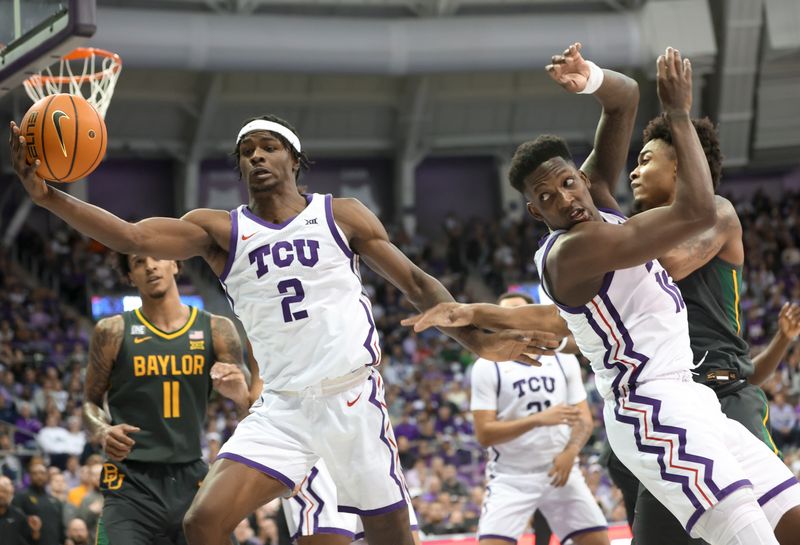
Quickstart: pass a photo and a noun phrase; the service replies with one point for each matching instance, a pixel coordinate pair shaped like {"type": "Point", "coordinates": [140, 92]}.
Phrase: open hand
{"type": "Point", "coordinates": [789, 320]}
{"type": "Point", "coordinates": [442, 315]}
{"type": "Point", "coordinates": [517, 345]}
{"type": "Point", "coordinates": [674, 82]}
{"type": "Point", "coordinates": [569, 69]}
{"type": "Point", "coordinates": [33, 184]}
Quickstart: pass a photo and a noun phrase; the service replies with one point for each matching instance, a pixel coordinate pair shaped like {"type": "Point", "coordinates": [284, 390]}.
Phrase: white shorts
{"type": "Point", "coordinates": [313, 510]}
{"type": "Point", "coordinates": [511, 499]}
{"type": "Point", "coordinates": [344, 422]}
{"type": "Point", "coordinates": [674, 437]}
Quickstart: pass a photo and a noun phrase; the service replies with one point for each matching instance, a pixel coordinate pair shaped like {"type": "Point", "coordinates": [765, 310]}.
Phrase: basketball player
{"type": "Point", "coordinates": [723, 484]}
{"type": "Point", "coordinates": [708, 270]}
{"type": "Point", "coordinates": [289, 266]}
{"type": "Point", "coordinates": [534, 422]}
{"type": "Point", "coordinates": [313, 517]}
{"type": "Point", "coordinates": [156, 367]}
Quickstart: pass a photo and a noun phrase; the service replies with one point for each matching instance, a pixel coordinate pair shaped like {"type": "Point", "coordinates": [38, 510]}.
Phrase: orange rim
{"type": "Point", "coordinates": [78, 54]}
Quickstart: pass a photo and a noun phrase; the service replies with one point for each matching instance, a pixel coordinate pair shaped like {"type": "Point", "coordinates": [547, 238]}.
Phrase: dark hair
{"type": "Point", "coordinates": [302, 158]}
{"type": "Point", "coordinates": [658, 129]}
{"type": "Point", "coordinates": [512, 294]}
{"type": "Point", "coordinates": [124, 266]}
{"type": "Point", "coordinates": [530, 155]}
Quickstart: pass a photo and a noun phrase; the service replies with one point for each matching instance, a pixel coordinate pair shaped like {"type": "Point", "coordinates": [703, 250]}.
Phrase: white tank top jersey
{"type": "Point", "coordinates": [297, 289]}
{"type": "Point", "coordinates": [635, 329]}
{"type": "Point", "coordinates": [516, 390]}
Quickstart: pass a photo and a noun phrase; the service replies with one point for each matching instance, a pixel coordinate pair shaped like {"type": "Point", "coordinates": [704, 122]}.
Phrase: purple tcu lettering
{"type": "Point", "coordinates": [283, 254]}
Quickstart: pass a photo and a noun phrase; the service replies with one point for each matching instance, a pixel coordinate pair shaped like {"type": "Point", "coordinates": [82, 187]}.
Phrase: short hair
{"type": "Point", "coordinates": [659, 129]}
{"type": "Point", "coordinates": [514, 294]}
{"type": "Point", "coordinates": [530, 155]}
{"type": "Point", "coordinates": [301, 157]}
{"type": "Point", "coordinates": [124, 266]}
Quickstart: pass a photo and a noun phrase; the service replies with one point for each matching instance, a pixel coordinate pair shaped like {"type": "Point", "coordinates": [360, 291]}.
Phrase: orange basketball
{"type": "Point", "coordinates": [66, 134]}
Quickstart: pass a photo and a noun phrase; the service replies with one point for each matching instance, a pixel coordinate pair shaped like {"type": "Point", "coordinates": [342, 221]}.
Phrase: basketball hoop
{"type": "Point", "coordinates": [97, 68]}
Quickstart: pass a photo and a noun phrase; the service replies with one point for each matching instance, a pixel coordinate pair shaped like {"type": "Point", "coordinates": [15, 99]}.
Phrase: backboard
{"type": "Point", "coordinates": [36, 33]}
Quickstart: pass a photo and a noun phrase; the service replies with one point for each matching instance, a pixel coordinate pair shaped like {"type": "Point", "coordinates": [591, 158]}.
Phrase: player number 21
{"type": "Point", "coordinates": [294, 288]}
{"type": "Point", "coordinates": [172, 399]}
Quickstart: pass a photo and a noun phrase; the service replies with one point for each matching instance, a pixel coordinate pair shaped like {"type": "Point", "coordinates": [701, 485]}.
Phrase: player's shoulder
{"type": "Point", "coordinates": [110, 325]}
{"type": "Point", "coordinates": [726, 212]}
{"type": "Point", "coordinates": [219, 322]}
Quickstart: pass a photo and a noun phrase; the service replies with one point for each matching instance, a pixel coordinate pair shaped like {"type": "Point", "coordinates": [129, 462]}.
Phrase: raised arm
{"type": "Point", "coordinates": [229, 375]}
{"type": "Point", "coordinates": [369, 239]}
{"type": "Point", "coordinates": [619, 97]}
{"type": "Point", "coordinates": [590, 249]}
{"type": "Point", "coordinates": [723, 239]}
{"type": "Point", "coordinates": [162, 238]}
{"type": "Point", "coordinates": [103, 349]}
{"type": "Point", "coordinates": [767, 361]}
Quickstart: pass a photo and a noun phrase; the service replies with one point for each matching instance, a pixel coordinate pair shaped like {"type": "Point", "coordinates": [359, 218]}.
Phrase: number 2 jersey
{"type": "Point", "coordinates": [635, 329]}
{"type": "Point", "coordinates": [516, 390]}
{"type": "Point", "coordinates": [160, 382]}
{"type": "Point", "coordinates": [296, 287]}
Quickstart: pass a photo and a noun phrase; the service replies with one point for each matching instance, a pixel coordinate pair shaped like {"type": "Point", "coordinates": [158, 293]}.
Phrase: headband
{"type": "Point", "coordinates": [264, 125]}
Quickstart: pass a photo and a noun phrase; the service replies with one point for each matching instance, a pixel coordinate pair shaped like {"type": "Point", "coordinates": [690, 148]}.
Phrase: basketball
{"type": "Point", "coordinates": [66, 134]}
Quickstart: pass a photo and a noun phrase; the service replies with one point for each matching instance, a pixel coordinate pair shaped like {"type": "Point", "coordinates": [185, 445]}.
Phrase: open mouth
{"type": "Point", "coordinates": [260, 174]}
{"type": "Point", "coordinates": [578, 214]}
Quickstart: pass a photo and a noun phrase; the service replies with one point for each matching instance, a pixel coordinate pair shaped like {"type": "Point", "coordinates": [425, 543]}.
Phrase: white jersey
{"type": "Point", "coordinates": [296, 288]}
{"type": "Point", "coordinates": [516, 390]}
{"type": "Point", "coordinates": [634, 330]}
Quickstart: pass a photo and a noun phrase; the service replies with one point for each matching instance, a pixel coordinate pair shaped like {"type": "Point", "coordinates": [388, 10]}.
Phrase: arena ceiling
{"type": "Point", "coordinates": [411, 78]}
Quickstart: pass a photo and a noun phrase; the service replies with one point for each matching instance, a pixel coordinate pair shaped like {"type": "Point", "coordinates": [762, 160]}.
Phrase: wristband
{"type": "Point", "coordinates": [563, 344]}
{"type": "Point", "coordinates": [595, 79]}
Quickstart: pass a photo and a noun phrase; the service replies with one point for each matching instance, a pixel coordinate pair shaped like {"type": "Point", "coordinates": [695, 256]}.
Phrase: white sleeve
{"type": "Point", "coordinates": [484, 386]}
{"type": "Point", "coordinates": [572, 370]}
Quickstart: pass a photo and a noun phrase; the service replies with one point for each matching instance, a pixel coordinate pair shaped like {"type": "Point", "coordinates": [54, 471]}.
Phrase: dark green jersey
{"type": "Point", "coordinates": [712, 295]}
{"type": "Point", "coordinates": [160, 383]}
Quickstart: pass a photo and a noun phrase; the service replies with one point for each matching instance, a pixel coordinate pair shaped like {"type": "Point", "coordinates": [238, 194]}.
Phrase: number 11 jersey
{"type": "Point", "coordinates": [297, 289]}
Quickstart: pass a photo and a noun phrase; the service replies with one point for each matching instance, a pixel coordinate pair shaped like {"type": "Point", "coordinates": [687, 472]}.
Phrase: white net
{"type": "Point", "coordinates": [88, 72]}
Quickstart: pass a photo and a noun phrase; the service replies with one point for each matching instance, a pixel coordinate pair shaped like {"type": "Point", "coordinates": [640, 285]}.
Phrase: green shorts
{"type": "Point", "coordinates": [145, 501]}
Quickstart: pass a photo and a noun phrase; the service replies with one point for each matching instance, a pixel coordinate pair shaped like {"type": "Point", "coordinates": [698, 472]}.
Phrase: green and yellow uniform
{"type": "Point", "coordinates": [160, 382]}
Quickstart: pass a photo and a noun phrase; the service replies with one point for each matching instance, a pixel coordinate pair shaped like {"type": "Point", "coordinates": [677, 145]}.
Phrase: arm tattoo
{"type": "Point", "coordinates": [227, 343]}
{"type": "Point", "coordinates": [103, 350]}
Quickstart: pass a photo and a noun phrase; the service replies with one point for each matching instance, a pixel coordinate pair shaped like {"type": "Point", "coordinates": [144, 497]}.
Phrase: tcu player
{"type": "Point", "coordinates": [289, 266]}
{"type": "Point", "coordinates": [313, 517]}
{"type": "Point", "coordinates": [722, 483]}
{"type": "Point", "coordinates": [534, 421]}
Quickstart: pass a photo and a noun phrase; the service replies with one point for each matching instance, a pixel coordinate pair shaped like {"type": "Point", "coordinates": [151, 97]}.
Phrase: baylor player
{"type": "Point", "coordinates": [157, 366]}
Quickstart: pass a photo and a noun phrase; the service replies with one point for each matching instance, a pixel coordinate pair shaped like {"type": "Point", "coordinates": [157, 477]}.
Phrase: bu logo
{"type": "Point", "coordinates": [112, 478]}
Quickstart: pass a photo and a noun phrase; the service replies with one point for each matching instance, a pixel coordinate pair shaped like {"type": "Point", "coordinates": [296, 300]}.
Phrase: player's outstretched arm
{"type": "Point", "coordinates": [489, 316]}
{"type": "Point", "coordinates": [692, 254]}
{"type": "Point", "coordinates": [369, 239]}
{"type": "Point", "coordinates": [591, 249]}
{"type": "Point", "coordinates": [229, 375]}
{"type": "Point", "coordinates": [619, 96]}
{"type": "Point", "coordinates": [788, 329]}
{"type": "Point", "coordinates": [103, 349]}
{"type": "Point", "coordinates": [163, 238]}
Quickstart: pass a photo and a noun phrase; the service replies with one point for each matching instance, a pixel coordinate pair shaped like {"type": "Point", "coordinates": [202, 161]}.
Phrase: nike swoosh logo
{"type": "Point", "coordinates": [57, 116]}
{"type": "Point", "coordinates": [245, 237]}
{"type": "Point", "coordinates": [139, 340]}
{"type": "Point", "coordinates": [351, 403]}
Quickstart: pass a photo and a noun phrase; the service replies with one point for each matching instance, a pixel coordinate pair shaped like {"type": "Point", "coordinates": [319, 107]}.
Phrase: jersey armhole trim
{"type": "Point", "coordinates": [338, 236]}
{"type": "Point", "coordinates": [613, 212]}
{"type": "Point", "coordinates": [231, 245]}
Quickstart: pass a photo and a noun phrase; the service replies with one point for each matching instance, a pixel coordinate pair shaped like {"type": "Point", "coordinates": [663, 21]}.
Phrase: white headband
{"type": "Point", "coordinates": [264, 125]}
